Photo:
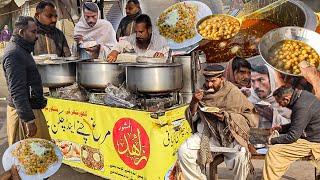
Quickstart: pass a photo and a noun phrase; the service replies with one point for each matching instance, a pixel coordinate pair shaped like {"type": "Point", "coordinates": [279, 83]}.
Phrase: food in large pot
{"type": "Point", "coordinates": [97, 74]}
{"type": "Point", "coordinates": [245, 43]}
{"type": "Point", "coordinates": [154, 78]}
{"type": "Point", "coordinates": [57, 73]}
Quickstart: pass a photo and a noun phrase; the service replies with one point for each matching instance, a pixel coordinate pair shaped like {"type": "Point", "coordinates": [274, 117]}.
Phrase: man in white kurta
{"type": "Point", "coordinates": [144, 42]}
{"type": "Point", "coordinates": [92, 28]}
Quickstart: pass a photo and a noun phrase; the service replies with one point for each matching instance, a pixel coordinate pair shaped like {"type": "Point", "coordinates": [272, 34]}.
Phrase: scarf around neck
{"type": "Point", "coordinates": [23, 43]}
{"type": "Point", "coordinates": [100, 32]}
{"type": "Point", "coordinates": [45, 28]}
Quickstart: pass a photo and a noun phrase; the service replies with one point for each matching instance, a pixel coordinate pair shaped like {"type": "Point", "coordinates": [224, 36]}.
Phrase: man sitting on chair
{"type": "Point", "coordinates": [225, 123]}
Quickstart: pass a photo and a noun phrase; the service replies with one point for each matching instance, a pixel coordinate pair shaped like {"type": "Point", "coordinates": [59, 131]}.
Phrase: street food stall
{"type": "Point", "coordinates": [139, 131]}
{"type": "Point", "coordinates": [127, 120]}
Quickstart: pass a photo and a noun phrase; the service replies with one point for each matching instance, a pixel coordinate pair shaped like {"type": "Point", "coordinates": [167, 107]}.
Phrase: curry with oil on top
{"type": "Point", "coordinates": [244, 44]}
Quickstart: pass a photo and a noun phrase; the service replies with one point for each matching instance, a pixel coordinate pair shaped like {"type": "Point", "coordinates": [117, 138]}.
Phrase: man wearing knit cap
{"type": "Point", "coordinates": [223, 117]}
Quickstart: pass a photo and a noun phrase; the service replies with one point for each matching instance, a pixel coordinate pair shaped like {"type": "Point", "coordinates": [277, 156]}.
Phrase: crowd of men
{"type": "Point", "coordinates": [250, 97]}
{"type": "Point", "coordinates": [247, 96]}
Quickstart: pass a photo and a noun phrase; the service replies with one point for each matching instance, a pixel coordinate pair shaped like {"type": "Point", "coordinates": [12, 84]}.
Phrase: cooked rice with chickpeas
{"type": "Point", "coordinates": [35, 156]}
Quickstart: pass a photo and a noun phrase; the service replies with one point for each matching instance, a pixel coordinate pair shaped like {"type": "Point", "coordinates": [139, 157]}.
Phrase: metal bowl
{"type": "Point", "coordinates": [291, 13]}
{"type": "Point", "coordinates": [273, 37]}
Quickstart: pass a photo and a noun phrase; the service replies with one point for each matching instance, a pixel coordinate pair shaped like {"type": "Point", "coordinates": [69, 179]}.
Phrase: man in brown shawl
{"type": "Point", "coordinates": [238, 72]}
{"type": "Point", "coordinates": [228, 126]}
{"type": "Point", "coordinates": [51, 40]}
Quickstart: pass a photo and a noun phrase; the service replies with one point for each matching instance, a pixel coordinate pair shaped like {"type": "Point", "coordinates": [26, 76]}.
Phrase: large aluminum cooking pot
{"type": "Point", "coordinates": [154, 78]}
{"type": "Point", "coordinates": [97, 74]}
{"type": "Point", "coordinates": [56, 74]}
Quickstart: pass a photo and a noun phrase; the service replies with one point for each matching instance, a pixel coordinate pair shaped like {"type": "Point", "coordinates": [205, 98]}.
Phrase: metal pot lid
{"type": "Point", "coordinates": [98, 62]}
{"type": "Point", "coordinates": [150, 60]}
{"type": "Point", "coordinates": [152, 65]}
{"type": "Point", "coordinates": [56, 62]}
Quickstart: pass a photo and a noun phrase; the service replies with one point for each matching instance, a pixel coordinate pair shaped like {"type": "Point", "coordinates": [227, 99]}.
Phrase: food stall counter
{"type": "Point", "coordinates": [117, 143]}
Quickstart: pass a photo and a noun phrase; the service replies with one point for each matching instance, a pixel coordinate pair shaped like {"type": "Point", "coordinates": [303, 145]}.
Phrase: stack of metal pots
{"type": "Point", "coordinates": [192, 78]}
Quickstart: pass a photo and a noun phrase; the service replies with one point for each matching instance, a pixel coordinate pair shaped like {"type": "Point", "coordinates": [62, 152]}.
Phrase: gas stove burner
{"type": "Point", "coordinates": [97, 98]}
{"type": "Point", "coordinates": [153, 96]}
{"type": "Point", "coordinates": [96, 90]}
{"type": "Point", "coordinates": [156, 103]}
{"type": "Point", "coordinates": [53, 92]}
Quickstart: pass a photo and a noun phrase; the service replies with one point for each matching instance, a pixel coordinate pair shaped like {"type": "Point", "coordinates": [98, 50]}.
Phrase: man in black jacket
{"type": "Point", "coordinates": [300, 138]}
{"type": "Point", "coordinates": [25, 101]}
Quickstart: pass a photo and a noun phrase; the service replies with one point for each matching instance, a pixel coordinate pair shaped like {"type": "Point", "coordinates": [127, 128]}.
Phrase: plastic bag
{"type": "Point", "coordinates": [118, 97]}
{"type": "Point", "coordinates": [74, 92]}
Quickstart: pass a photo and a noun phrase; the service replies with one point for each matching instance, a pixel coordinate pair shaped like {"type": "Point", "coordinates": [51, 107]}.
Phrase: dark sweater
{"type": "Point", "coordinates": [23, 79]}
{"type": "Point", "coordinates": [56, 39]}
{"type": "Point", "coordinates": [305, 119]}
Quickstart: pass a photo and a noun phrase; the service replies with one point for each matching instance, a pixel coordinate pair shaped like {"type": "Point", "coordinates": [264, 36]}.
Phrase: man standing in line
{"type": "Point", "coordinates": [24, 116]}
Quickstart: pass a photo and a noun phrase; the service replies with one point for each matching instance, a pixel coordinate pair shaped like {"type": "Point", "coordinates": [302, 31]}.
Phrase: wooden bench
{"type": "Point", "coordinates": [219, 158]}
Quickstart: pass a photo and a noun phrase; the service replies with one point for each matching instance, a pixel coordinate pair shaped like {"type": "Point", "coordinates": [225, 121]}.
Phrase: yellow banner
{"type": "Point", "coordinates": [117, 143]}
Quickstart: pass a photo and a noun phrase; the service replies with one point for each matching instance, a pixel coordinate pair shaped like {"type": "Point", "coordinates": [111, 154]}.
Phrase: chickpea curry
{"type": "Point", "coordinates": [244, 44]}
{"type": "Point", "coordinates": [219, 27]}
{"type": "Point", "coordinates": [286, 56]}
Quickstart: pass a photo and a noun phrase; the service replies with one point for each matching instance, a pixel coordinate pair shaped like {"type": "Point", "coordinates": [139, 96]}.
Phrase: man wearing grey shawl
{"type": "Point", "coordinates": [226, 125]}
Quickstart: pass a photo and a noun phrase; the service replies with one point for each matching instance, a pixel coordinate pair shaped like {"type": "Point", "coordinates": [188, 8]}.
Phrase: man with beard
{"type": "Point", "coordinates": [227, 126]}
{"type": "Point", "coordinates": [126, 26]}
{"type": "Point", "coordinates": [264, 82]}
{"type": "Point", "coordinates": [238, 72]}
{"type": "Point", "coordinates": [144, 42]}
{"type": "Point", "coordinates": [92, 28]}
{"type": "Point", "coordinates": [25, 101]}
{"type": "Point", "coordinates": [51, 40]}
{"type": "Point", "coordinates": [300, 138]}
